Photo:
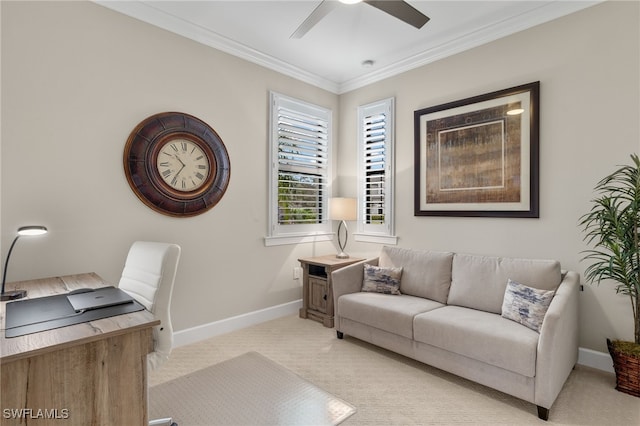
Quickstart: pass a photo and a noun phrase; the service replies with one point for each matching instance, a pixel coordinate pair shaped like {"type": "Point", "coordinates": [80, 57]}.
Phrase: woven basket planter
{"type": "Point", "coordinates": [627, 369]}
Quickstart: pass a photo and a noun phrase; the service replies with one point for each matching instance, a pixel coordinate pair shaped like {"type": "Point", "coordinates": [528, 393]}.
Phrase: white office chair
{"type": "Point", "coordinates": [148, 276]}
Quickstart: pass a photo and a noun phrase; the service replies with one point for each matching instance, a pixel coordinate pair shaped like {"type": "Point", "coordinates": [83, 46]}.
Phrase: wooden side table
{"type": "Point", "coordinates": [317, 291]}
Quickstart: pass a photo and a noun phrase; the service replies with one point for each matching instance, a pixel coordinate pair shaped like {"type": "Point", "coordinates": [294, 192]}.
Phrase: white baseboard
{"type": "Point", "coordinates": [586, 357]}
{"type": "Point", "coordinates": [227, 325]}
{"type": "Point", "coordinates": [595, 359]}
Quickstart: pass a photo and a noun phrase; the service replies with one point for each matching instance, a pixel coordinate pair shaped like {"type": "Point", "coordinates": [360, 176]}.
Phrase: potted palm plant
{"type": "Point", "coordinates": [612, 228]}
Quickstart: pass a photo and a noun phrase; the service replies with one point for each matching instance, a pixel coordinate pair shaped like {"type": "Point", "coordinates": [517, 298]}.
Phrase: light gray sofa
{"type": "Point", "coordinates": [449, 315]}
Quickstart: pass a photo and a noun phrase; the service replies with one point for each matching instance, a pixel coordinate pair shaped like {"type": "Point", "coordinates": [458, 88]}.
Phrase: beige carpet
{"type": "Point", "coordinates": [246, 390]}
{"type": "Point", "coordinates": [389, 389]}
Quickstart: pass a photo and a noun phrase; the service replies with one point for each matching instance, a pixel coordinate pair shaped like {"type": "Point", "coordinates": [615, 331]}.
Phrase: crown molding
{"type": "Point", "coordinates": [147, 13]}
{"type": "Point", "coordinates": [542, 14]}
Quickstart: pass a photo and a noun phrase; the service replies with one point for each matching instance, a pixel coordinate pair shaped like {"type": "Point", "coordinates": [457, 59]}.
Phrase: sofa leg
{"type": "Point", "coordinates": [340, 334]}
{"type": "Point", "coordinates": [543, 413]}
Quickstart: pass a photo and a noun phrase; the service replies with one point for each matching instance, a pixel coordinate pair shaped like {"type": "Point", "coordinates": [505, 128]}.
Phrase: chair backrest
{"type": "Point", "coordinates": [148, 276]}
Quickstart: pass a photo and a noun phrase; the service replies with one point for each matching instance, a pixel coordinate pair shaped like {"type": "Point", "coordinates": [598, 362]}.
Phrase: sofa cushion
{"type": "Point", "coordinates": [425, 273]}
{"type": "Point", "coordinates": [383, 311]}
{"type": "Point", "coordinates": [479, 282]}
{"type": "Point", "coordinates": [479, 335]}
{"type": "Point", "coordinates": [381, 280]}
{"type": "Point", "coordinates": [526, 305]}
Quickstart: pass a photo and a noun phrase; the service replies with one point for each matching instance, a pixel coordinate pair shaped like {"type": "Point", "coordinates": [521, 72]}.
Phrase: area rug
{"type": "Point", "coordinates": [246, 390]}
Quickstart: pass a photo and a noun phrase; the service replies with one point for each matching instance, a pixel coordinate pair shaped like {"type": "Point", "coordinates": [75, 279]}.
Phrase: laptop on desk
{"type": "Point", "coordinates": [98, 298]}
{"type": "Point", "coordinates": [28, 316]}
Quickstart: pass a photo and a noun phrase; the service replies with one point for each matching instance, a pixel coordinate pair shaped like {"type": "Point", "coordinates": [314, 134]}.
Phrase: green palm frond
{"type": "Point", "coordinates": [611, 227]}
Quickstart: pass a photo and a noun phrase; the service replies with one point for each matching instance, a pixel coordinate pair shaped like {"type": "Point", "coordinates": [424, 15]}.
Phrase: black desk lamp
{"type": "Point", "coordinates": [23, 231]}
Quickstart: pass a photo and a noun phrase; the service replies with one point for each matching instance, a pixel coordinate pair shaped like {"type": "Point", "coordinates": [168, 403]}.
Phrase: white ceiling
{"type": "Point", "coordinates": [330, 55]}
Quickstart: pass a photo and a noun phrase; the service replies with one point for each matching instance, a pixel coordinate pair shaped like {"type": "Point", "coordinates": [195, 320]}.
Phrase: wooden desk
{"type": "Point", "coordinates": [93, 373]}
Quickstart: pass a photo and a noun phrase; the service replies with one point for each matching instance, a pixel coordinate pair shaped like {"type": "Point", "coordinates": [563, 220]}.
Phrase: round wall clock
{"type": "Point", "coordinates": [176, 164]}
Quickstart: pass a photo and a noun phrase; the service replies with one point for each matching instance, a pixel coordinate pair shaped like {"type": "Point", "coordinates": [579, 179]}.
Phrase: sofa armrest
{"type": "Point", "coordinates": [558, 343]}
{"type": "Point", "coordinates": [348, 279]}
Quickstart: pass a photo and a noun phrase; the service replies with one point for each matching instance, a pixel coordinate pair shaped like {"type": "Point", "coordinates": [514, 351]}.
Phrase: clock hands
{"type": "Point", "coordinates": [183, 166]}
{"type": "Point", "coordinates": [193, 169]}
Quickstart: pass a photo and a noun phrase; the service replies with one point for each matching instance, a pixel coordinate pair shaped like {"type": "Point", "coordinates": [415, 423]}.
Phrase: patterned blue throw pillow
{"type": "Point", "coordinates": [381, 280]}
{"type": "Point", "coordinates": [526, 305]}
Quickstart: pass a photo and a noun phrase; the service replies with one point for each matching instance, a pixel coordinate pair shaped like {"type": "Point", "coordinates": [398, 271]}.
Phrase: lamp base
{"type": "Point", "coordinates": [342, 254]}
{"type": "Point", "coordinates": [13, 295]}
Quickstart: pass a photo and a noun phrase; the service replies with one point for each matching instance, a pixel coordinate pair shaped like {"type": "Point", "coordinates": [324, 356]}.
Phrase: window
{"type": "Point", "coordinates": [375, 172]}
{"type": "Point", "coordinates": [300, 142]}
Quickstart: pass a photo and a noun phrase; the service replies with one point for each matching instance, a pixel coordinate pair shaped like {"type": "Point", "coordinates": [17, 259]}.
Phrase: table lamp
{"type": "Point", "coordinates": [343, 209]}
{"type": "Point", "coordinates": [22, 231]}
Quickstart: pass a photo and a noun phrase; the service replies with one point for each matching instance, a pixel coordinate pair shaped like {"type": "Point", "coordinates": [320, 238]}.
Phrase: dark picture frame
{"type": "Point", "coordinates": [479, 157]}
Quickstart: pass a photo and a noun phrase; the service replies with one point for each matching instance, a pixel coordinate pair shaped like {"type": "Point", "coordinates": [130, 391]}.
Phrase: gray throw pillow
{"type": "Point", "coordinates": [526, 305]}
{"type": "Point", "coordinates": [381, 280]}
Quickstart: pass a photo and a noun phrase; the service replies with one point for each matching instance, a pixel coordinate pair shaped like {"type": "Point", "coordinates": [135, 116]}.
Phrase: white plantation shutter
{"type": "Point", "coordinates": [300, 146]}
{"type": "Point", "coordinates": [375, 172]}
{"type": "Point", "coordinates": [302, 165]}
{"type": "Point", "coordinates": [374, 139]}
{"type": "Point", "coordinates": [302, 141]}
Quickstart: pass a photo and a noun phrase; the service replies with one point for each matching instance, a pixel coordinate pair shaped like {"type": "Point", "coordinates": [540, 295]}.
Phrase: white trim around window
{"type": "Point", "coordinates": [299, 171]}
{"type": "Point", "coordinates": [376, 172]}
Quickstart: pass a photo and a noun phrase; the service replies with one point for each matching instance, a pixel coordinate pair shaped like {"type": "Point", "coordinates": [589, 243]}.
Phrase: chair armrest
{"type": "Point", "coordinates": [558, 343]}
{"type": "Point", "coordinates": [349, 279]}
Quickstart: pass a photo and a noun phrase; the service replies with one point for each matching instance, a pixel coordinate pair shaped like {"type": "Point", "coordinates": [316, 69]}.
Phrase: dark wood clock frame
{"type": "Point", "coordinates": [140, 157]}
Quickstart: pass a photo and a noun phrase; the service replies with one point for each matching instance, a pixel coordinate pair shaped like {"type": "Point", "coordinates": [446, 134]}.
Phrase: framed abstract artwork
{"type": "Point", "coordinates": [479, 156]}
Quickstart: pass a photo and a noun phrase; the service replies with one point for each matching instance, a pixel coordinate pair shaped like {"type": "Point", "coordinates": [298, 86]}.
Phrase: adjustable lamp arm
{"type": "Point", "coordinates": [6, 262]}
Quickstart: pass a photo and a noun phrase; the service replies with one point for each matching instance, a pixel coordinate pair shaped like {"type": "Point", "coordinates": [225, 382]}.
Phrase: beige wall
{"type": "Point", "coordinates": [76, 79]}
{"type": "Point", "coordinates": [588, 68]}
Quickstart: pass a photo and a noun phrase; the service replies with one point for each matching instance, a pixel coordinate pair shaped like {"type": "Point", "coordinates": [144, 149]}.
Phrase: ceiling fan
{"type": "Point", "coordinates": [397, 8]}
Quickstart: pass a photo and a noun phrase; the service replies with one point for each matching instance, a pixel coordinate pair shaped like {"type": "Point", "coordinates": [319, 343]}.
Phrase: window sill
{"type": "Point", "coordinates": [279, 240]}
{"type": "Point", "coordinates": [376, 238]}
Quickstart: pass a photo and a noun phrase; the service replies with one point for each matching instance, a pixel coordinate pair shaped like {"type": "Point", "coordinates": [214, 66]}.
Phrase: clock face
{"type": "Point", "coordinates": [176, 164]}
{"type": "Point", "coordinates": [183, 165]}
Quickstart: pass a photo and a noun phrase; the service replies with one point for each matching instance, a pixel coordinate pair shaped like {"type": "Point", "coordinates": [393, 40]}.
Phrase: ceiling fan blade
{"type": "Point", "coordinates": [318, 13]}
{"type": "Point", "coordinates": [401, 10]}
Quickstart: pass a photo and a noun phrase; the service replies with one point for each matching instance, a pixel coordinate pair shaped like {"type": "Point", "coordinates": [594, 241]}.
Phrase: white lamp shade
{"type": "Point", "coordinates": [343, 208]}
